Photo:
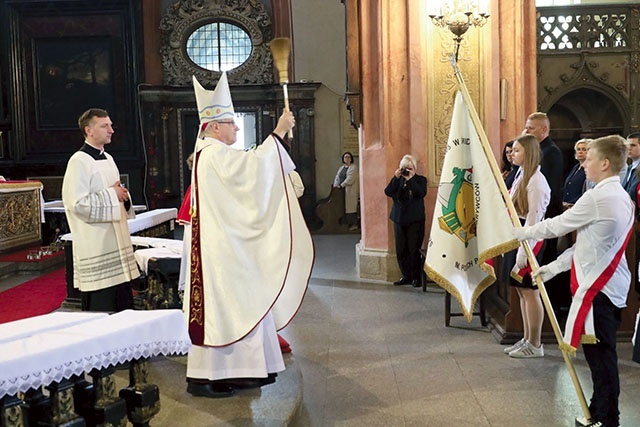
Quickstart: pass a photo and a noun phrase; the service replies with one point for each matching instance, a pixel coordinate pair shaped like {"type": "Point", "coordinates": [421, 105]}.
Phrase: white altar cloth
{"type": "Point", "coordinates": [157, 242]}
{"type": "Point", "coordinates": [54, 355]}
{"type": "Point", "coordinates": [23, 328]}
{"type": "Point", "coordinates": [144, 255]}
{"type": "Point", "coordinates": [56, 206]}
{"type": "Point", "coordinates": [143, 221]}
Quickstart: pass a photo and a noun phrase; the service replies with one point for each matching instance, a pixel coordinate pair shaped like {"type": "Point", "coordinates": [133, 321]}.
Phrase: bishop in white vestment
{"type": "Point", "coordinates": [251, 252]}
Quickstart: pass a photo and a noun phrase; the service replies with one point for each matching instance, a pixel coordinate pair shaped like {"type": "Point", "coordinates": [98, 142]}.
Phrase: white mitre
{"type": "Point", "coordinates": [214, 105]}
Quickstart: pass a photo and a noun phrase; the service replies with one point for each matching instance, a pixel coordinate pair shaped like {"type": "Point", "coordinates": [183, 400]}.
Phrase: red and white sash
{"type": "Point", "coordinates": [584, 288]}
{"type": "Point", "coordinates": [520, 274]}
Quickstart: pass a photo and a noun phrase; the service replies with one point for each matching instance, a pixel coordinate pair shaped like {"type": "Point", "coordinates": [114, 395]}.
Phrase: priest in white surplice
{"type": "Point", "coordinates": [96, 204]}
{"type": "Point", "coordinates": [251, 252]}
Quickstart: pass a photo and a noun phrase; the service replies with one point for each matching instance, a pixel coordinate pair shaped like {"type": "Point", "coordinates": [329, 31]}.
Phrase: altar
{"type": "Point", "coordinates": [56, 350]}
{"type": "Point", "coordinates": [20, 214]}
{"type": "Point", "coordinates": [157, 223]}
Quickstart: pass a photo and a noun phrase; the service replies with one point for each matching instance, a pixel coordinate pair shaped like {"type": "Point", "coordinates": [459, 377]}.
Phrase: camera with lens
{"type": "Point", "coordinates": [404, 172]}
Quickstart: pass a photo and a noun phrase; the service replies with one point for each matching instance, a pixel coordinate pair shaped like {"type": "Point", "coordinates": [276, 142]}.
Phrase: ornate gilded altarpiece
{"type": "Point", "coordinates": [19, 214]}
{"type": "Point", "coordinates": [442, 87]}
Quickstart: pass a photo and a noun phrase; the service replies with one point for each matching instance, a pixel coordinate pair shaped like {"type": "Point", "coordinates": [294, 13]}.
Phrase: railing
{"type": "Point", "coordinates": [578, 28]}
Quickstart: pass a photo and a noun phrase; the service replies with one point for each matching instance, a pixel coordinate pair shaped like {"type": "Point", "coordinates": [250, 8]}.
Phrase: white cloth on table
{"type": "Point", "coordinates": [23, 328]}
{"type": "Point", "coordinates": [157, 242]}
{"type": "Point", "coordinates": [152, 218]}
{"type": "Point", "coordinates": [55, 355]}
{"type": "Point", "coordinates": [141, 222]}
{"type": "Point", "coordinates": [144, 255]}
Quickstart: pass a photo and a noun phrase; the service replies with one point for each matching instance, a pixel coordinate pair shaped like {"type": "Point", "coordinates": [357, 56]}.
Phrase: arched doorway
{"type": "Point", "coordinates": [583, 113]}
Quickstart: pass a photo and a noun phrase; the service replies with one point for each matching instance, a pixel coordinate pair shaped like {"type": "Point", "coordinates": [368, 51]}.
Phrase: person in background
{"type": "Point", "coordinates": [551, 164]}
{"type": "Point", "coordinates": [347, 179]}
{"type": "Point", "coordinates": [600, 278]}
{"type": "Point", "coordinates": [97, 206]}
{"type": "Point", "coordinates": [407, 189]}
{"type": "Point", "coordinates": [184, 218]}
{"type": "Point", "coordinates": [575, 181]}
{"type": "Point", "coordinates": [631, 184]}
{"type": "Point", "coordinates": [530, 194]}
{"type": "Point", "coordinates": [574, 186]}
{"type": "Point", "coordinates": [251, 253]}
{"type": "Point", "coordinates": [552, 168]}
{"type": "Point", "coordinates": [632, 178]}
{"type": "Point", "coordinates": [509, 170]}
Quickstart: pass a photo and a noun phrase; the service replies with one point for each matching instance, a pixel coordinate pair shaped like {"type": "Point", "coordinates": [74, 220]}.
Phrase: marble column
{"type": "Point", "coordinates": [408, 88]}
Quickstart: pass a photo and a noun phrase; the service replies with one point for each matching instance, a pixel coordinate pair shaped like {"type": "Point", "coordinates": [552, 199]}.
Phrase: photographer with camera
{"type": "Point", "coordinates": [408, 190]}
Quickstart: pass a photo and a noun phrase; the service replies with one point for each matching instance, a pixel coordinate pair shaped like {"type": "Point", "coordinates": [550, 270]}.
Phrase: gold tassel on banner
{"type": "Point", "coordinates": [280, 49]}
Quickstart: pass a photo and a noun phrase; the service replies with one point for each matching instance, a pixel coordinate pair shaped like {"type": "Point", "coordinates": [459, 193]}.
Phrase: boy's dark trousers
{"type": "Point", "coordinates": [603, 362]}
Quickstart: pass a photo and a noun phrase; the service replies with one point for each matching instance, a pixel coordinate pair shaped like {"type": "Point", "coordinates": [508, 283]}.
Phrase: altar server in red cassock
{"type": "Point", "coordinates": [251, 252]}
{"type": "Point", "coordinates": [600, 278]}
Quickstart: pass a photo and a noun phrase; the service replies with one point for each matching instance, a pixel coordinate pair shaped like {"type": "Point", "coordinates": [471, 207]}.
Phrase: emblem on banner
{"type": "Point", "coordinates": [457, 200]}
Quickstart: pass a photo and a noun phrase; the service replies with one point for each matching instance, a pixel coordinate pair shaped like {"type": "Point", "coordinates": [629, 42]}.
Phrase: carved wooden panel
{"type": "Point", "coordinates": [20, 216]}
{"type": "Point", "coordinates": [64, 60]}
{"type": "Point", "coordinates": [591, 47]}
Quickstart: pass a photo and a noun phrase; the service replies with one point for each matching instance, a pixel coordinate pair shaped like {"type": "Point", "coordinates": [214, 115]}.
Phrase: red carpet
{"type": "Point", "coordinates": [37, 296]}
{"type": "Point", "coordinates": [21, 256]}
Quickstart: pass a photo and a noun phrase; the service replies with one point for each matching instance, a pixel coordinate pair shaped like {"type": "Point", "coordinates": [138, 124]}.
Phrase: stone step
{"type": "Point", "coordinates": [272, 405]}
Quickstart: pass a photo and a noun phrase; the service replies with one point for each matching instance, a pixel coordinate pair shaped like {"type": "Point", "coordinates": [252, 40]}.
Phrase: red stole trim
{"type": "Point", "coordinates": [594, 289]}
{"type": "Point", "coordinates": [196, 290]}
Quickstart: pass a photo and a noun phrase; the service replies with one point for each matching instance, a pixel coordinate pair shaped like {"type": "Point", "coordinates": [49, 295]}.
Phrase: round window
{"type": "Point", "coordinates": [219, 46]}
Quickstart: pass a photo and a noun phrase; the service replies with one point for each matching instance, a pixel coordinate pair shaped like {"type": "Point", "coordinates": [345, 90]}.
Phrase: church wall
{"type": "Point", "coordinates": [319, 55]}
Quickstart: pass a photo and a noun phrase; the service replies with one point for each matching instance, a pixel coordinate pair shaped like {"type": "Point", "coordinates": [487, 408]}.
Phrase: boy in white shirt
{"type": "Point", "coordinates": [600, 278]}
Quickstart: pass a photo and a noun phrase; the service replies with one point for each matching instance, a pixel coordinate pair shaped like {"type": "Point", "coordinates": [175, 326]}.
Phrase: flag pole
{"type": "Point", "coordinates": [516, 223]}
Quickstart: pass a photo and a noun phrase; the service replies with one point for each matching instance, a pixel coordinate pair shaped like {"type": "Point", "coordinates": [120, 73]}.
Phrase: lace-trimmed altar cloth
{"type": "Point", "coordinates": [58, 354]}
{"type": "Point", "coordinates": [24, 328]}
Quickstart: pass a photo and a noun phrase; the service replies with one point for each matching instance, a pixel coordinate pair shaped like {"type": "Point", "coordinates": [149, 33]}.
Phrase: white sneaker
{"type": "Point", "coordinates": [582, 421]}
{"type": "Point", "coordinates": [527, 351]}
{"type": "Point", "coordinates": [516, 346]}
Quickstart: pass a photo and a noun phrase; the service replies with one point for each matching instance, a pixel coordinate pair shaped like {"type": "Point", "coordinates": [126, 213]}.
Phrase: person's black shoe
{"type": "Point", "coordinates": [416, 283]}
{"type": "Point", "coordinates": [240, 383]}
{"type": "Point", "coordinates": [271, 378]}
{"type": "Point", "coordinates": [403, 281]}
{"type": "Point", "coordinates": [214, 391]}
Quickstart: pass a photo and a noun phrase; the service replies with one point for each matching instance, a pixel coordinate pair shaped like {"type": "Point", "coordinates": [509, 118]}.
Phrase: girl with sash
{"type": "Point", "coordinates": [600, 278]}
{"type": "Point", "coordinates": [530, 194]}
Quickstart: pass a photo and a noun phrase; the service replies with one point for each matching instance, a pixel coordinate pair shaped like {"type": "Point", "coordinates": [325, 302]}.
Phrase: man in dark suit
{"type": "Point", "coordinates": [551, 166]}
{"type": "Point", "coordinates": [630, 182]}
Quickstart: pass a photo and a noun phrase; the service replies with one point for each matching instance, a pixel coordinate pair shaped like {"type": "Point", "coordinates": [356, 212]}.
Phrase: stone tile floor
{"type": "Point", "coordinates": [367, 353]}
